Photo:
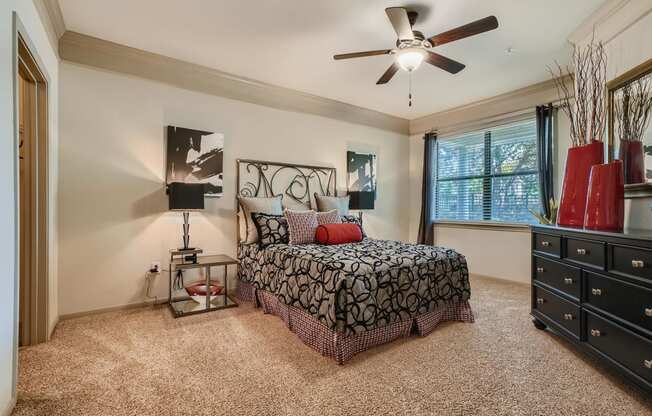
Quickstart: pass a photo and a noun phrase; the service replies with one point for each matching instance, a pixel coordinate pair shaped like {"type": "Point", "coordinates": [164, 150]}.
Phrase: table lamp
{"type": "Point", "coordinates": [186, 197]}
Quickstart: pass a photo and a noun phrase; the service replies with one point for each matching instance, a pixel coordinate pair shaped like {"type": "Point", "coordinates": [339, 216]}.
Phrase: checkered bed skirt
{"type": "Point", "coordinates": [342, 348]}
{"type": "Point", "coordinates": [246, 292]}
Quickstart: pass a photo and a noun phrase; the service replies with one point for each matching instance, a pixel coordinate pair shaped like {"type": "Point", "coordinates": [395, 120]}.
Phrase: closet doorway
{"type": "Point", "coordinates": [32, 198]}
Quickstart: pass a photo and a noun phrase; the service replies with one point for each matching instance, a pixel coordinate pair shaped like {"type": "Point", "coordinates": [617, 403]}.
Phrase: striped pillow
{"type": "Point", "coordinates": [302, 226]}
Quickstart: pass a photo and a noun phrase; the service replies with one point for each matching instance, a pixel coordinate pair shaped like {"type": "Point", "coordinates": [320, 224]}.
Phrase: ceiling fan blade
{"type": "Point", "coordinates": [471, 29]}
{"type": "Point", "coordinates": [444, 63]}
{"type": "Point", "coordinates": [384, 79]}
{"type": "Point", "coordinates": [361, 54]}
{"type": "Point", "coordinates": [399, 18]}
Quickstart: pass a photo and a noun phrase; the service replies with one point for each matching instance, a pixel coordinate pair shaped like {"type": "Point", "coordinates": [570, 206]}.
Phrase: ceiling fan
{"type": "Point", "coordinates": [412, 47]}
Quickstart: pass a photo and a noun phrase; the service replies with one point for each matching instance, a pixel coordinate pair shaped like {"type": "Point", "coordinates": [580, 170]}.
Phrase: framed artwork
{"type": "Point", "coordinates": [195, 156]}
{"type": "Point", "coordinates": [361, 172]}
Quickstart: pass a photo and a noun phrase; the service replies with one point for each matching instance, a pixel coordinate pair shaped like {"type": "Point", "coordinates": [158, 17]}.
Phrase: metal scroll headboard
{"type": "Point", "coordinates": [297, 183]}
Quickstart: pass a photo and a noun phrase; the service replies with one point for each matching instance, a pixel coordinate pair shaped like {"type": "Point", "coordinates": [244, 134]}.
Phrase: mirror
{"type": "Point", "coordinates": [630, 133]}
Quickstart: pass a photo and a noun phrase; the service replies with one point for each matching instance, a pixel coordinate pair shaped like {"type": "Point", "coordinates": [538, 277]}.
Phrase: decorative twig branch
{"type": "Point", "coordinates": [633, 109]}
{"type": "Point", "coordinates": [584, 104]}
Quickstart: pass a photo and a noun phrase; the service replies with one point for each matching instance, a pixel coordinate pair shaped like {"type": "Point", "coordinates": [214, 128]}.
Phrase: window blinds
{"type": "Point", "coordinates": [488, 175]}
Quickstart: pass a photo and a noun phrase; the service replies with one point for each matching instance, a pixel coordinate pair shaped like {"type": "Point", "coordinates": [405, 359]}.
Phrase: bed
{"type": "Point", "coordinates": [344, 299]}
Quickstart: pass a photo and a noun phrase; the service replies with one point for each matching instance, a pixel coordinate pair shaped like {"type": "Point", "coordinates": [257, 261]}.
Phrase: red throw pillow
{"type": "Point", "coordinates": [338, 233]}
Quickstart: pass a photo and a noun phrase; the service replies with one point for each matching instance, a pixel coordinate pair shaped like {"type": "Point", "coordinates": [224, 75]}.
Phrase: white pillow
{"type": "Point", "coordinates": [271, 206]}
{"type": "Point", "coordinates": [327, 203]}
{"type": "Point", "coordinates": [242, 226]}
{"type": "Point", "coordinates": [289, 203]}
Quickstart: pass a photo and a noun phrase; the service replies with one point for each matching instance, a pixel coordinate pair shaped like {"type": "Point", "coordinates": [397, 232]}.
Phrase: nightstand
{"type": "Point", "coordinates": [182, 304]}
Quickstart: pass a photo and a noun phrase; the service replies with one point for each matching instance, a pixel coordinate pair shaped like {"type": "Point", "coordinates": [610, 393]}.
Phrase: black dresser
{"type": "Point", "coordinates": [595, 289]}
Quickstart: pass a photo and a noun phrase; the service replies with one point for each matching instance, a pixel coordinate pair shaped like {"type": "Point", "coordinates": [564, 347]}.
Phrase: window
{"type": "Point", "coordinates": [488, 175]}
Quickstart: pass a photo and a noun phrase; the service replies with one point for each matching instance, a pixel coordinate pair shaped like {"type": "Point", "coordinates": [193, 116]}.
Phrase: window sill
{"type": "Point", "coordinates": [484, 225]}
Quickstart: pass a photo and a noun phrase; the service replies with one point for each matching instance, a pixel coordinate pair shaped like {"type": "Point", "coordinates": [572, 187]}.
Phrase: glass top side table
{"type": "Point", "coordinates": [182, 304]}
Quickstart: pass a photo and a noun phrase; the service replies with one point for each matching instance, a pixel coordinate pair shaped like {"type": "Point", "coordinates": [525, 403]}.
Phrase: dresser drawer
{"type": "Point", "coordinates": [560, 276]}
{"type": "Point", "coordinates": [627, 301]}
{"type": "Point", "coordinates": [590, 253]}
{"type": "Point", "coordinates": [631, 261]}
{"type": "Point", "coordinates": [629, 349]}
{"type": "Point", "coordinates": [559, 310]}
{"type": "Point", "coordinates": [549, 244]}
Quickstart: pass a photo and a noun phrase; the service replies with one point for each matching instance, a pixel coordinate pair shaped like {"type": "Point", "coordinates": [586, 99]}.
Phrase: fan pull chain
{"type": "Point", "coordinates": [410, 92]}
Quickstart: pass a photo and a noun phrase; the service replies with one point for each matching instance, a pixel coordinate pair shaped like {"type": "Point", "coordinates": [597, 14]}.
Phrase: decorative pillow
{"type": "Point", "coordinates": [289, 203]}
{"type": "Point", "coordinates": [270, 206]}
{"type": "Point", "coordinates": [327, 203]}
{"type": "Point", "coordinates": [338, 233]}
{"type": "Point", "coordinates": [302, 226]}
{"type": "Point", "coordinates": [330, 217]}
{"type": "Point", "coordinates": [242, 226]}
{"type": "Point", "coordinates": [272, 229]}
{"type": "Point", "coordinates": [354, 219]}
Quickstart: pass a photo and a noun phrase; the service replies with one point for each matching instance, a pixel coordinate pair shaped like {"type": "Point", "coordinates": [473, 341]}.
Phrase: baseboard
{"type": "Point", "coordinates": [501, 279]}
{"type": "Point", "coordinates": [111, 309]}
{"type": "Point", "coordinates": [10, 407]}
{"type": "Point", "coordinates": [53, 327]}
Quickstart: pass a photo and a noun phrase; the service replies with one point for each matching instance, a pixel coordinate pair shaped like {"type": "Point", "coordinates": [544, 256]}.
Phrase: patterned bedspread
{"type": "Point", "coordinates": [355, 287]}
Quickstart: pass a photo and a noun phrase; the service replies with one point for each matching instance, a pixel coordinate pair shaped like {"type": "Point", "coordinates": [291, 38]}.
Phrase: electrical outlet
{"type": "Point", "coordinates": [155, 267]}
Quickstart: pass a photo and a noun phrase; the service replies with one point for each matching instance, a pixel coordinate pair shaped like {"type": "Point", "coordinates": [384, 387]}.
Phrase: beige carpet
{"type": "Point", "coordinates": [240, 361]}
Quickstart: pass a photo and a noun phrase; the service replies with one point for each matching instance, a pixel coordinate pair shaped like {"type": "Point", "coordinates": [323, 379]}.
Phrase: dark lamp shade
{"type": "Point", "coordinates": [362, 200]}
{"type": "Point", "coordinates": [186, 196]}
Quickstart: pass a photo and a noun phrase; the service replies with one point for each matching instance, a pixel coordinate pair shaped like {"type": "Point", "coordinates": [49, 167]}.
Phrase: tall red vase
{"type": "Point", "coordinates": [572, 205]}
{"type": "Point", "coordinates": [631, 154]}
{"type": "Point", "coordinates": [605, 203]}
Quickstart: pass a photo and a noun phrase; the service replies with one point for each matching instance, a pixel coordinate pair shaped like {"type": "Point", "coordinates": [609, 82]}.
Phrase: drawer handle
{"type": "Point", "coordinates": [647, 363]}
{"type": "Point", "coordinates": [638, 264]}
{"type": "Point", "coordinates": [540, 301]}
{"type": "Point", "coordinates": [595, 333]}
{"type": "Point", "coordinates": [539, 269]}
{"type": "Point", "coordinates": [596, 292]}
{"type": "Point", "coordinates": [568, 317]}
{"type": "Point", "coordinates": [581, 251]}
{"type": "Point", "coordinates": [648, 312]}
{"type": "Point", "coordinates": [568, 281]}
{"type": "Point", "coordinates": [545, 243]}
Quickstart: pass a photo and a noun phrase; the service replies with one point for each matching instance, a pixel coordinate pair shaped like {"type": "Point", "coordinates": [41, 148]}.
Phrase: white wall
{"type": "Point", "coordinates": [36, 34]}
{"type": "Point", "coordinates": [113, 215]}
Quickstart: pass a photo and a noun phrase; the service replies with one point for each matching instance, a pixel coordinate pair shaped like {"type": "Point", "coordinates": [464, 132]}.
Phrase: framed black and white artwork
{"type": "Point", "coordinates": [361, 172]}
{"type": "Point", "coordinates": [195, 156]}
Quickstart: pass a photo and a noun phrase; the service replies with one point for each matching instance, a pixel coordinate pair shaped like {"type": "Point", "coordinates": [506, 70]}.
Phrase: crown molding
{"type": "Point", "coordinates": [500, 105]}
{"type": "Point", "coordinates": [610, 20]}
{"type": "Point", "coordinates": [88, 50]}
{"type": "Point", "coordinates": [52, 18]}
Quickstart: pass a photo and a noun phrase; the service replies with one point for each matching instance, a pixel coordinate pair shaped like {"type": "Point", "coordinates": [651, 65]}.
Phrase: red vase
{"type": "Point", "coordinates": [631, 154]}
{"type": "Point", "coordinates": [579, 161]}
{"type": "Point", "coordinates": [605, 203]}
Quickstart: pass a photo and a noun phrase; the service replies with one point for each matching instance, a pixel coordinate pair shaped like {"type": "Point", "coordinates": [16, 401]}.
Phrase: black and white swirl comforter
{"type": "Point", "coordinates": [356, 287]}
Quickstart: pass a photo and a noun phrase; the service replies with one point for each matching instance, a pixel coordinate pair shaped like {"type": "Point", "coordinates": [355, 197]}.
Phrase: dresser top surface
{"type": "Point", "coordinates": [632, 233]}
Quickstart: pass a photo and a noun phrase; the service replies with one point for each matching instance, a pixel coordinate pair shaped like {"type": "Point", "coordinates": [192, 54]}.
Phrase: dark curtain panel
{"type": "Point", "coordinates": [545, 132]}
{"type": "Point", "coordinates": [427, 190]}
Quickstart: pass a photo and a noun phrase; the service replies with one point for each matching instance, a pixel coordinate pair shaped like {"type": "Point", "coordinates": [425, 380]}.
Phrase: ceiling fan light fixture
{"type": "Point", "coordinates": [409, 59]}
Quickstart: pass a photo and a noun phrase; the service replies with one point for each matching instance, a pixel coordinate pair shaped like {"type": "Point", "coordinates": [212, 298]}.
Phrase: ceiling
{"type": "Point", "coordinates": [290, 43]}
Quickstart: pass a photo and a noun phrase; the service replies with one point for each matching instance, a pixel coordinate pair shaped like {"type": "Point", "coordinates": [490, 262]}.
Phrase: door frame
{"type": "Point", "coordinates": [26, 62]}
